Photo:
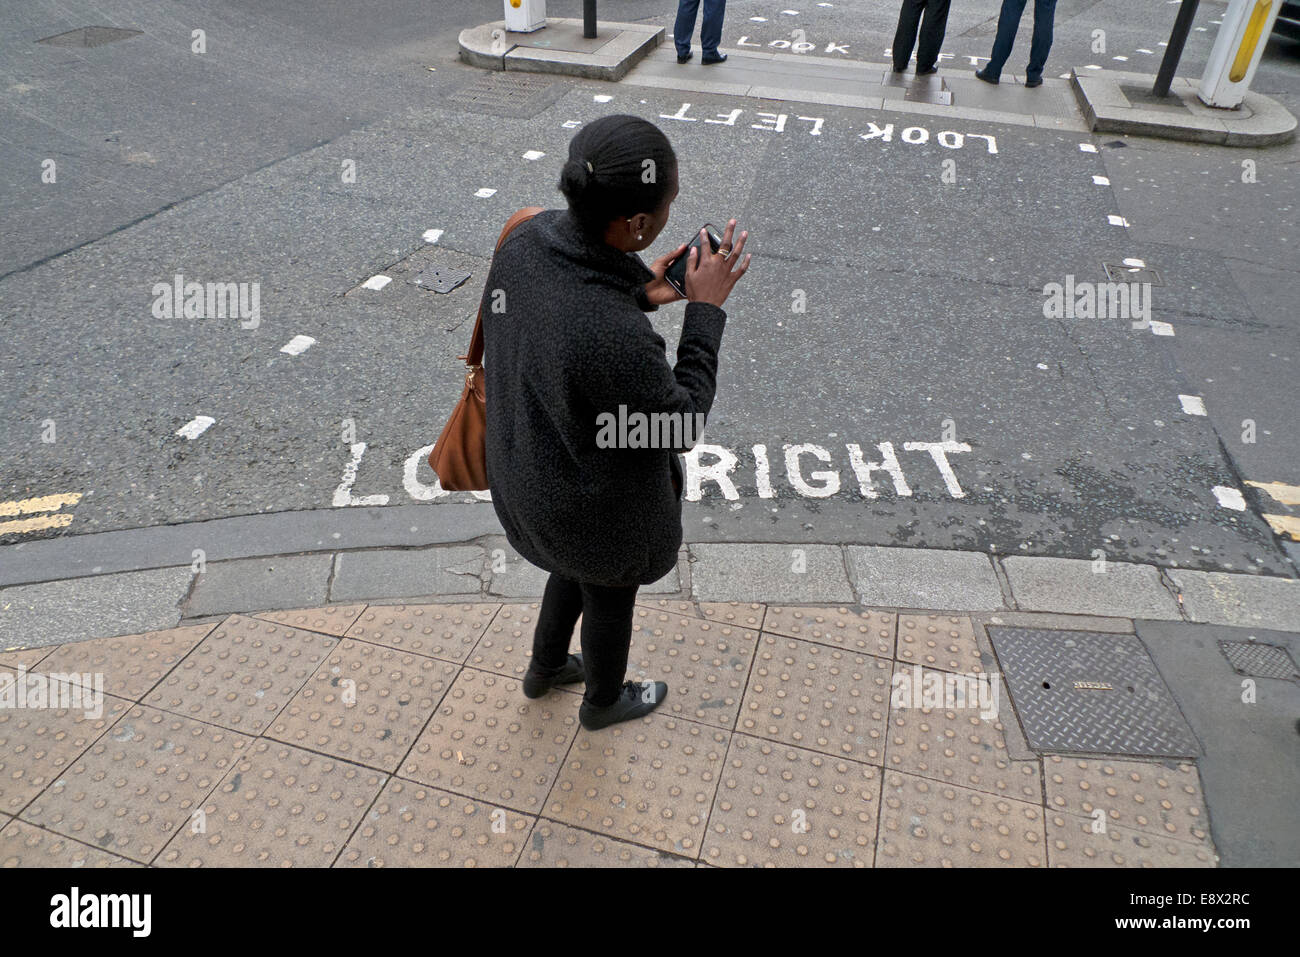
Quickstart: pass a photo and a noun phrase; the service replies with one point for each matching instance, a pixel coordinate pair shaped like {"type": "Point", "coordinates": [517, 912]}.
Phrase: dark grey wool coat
{"type": "Point", "coordinates": [571, 343]}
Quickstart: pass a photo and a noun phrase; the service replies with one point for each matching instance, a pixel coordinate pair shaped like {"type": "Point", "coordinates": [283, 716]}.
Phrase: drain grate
{"type": "Point", "coordinates": [1258, 660]}
{"type": "Point", "coordinates": [440, 279]}
{"type": "Point", "coordinates": [90, 37]}
{"type": "Point", "coordinates": [508, 94]}
{"type": "Point", "coordinates": [1121, 273]}
{"type": "Point", "coordinates": [1090, 692]}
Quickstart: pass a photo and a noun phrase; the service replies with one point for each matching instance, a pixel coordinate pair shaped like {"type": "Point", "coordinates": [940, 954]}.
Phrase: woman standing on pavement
{"type": "Point", "coordinates": [566, 340]}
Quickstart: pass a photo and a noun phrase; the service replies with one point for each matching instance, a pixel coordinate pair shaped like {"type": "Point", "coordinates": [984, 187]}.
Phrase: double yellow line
{"type": "Point", "coordinates": [35, 506]}
{"type": "Point", "coordinates": [1287, 495]}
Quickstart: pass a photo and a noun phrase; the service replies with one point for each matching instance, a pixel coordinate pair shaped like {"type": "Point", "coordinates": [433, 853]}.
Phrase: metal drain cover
{"type": "Point", "coordinates": [1259, 661]}
{"type": "Point", "coordinates": [1090, 692]}
{"type": "Point", "coordinates": [508, 94]}
{"type": "Point", "coordinates": [440, 279]}
{"type": "Point", "coordinates": [90, 37]}
{"type": "Point", "coordinates": [1117, 272]}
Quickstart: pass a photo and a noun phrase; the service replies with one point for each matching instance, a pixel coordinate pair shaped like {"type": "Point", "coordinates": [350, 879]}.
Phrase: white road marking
{"type": "Point", "coordinates": [759, 19]}
{"type": "Point", "coordinates": [432, 235]}
{"type": "Point", "coordinates": [195, 427]}
{"type": "Point", "coordinates": [1135, 263]}
{"type": "Point", "coordinates": [602, 98]}
{"type": "Point", "coordinates": [1144, 50]}
{"type": "Point", "coordinates": [1120, 58]}
{"type": "Point", "coordinates": [571, 124]}
{"type": "Point", "coordinates": [1087, 148]}
{"type": "Point", "coordinates": [1192, 404]}
{"type": "Point", "coordinates": [298, 345]}
{"type": "Point", "coordinates": [343, 494]}
{"type": "Point", "coordinates": [1230, 498]}
{"type": "Point", "coordinates": [376, 282]}
{"type": "Point", "coordinates": [1092, 66]}
{"type": "Point", "coordinates": [533, 155]}
{"type": "Point", "coordinates": [1159, 328]}
{"type": "Point", "coordinates": [1101, 180]}
{"type": "Point", "coordinates": [1117, 220]}
{"type": "Point", "coordinates": [485, 192]}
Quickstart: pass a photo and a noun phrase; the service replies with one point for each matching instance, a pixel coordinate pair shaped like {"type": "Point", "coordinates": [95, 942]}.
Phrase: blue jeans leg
{"type": "Point", "coordinates": [1044, 14]}
{"type": "Point", "coordinates": [685, 25]}
{"type": "Point", "coordinates": [711, 28]}
{"type": "Point", "coordinates": [1008, 24]}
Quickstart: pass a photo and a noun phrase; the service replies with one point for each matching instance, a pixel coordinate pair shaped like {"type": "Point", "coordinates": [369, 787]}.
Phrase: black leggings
{"type": "Point", "coordinates": [606, 633]}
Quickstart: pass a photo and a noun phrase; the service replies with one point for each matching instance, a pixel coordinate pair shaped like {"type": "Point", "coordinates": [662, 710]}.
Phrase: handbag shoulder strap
{"type": "Point", "coordinates": [475, 355]}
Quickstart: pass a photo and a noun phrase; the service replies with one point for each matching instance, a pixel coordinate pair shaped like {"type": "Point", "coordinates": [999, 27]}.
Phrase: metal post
{"type": "Point", "coordinates": [589, 18]}
{"type": "Point", "coordinates": [1174, 52]}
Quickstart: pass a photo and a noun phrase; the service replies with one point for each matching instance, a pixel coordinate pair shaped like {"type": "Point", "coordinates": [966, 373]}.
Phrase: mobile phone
{"type": "Point", "coordinates": [676, 274]}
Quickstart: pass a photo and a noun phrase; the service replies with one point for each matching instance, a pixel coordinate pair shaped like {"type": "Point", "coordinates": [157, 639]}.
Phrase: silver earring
{"type": "Point", "coordinates": [638, 235]}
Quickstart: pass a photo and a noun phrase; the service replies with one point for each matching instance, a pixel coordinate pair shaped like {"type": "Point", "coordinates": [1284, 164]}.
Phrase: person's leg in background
{"type": "Point", "coordinates": [936, 22]}
{"type": "Point", "coordinates": [1008, 24]}
{"type": "Point", "coordinates": [1041, 45]}
{"type": "Point", "coordinates": [711, 30]}
{"type": "Point", "coordinates": [685, 25]}
{"type": "Point", "coordinates": [606, 635]}
{"type": "Point", "coordinates": [909, 19]}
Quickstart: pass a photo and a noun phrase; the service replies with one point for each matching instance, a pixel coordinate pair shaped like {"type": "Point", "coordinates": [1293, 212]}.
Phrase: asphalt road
{"type": "Point", "coordinates": [924, 300]}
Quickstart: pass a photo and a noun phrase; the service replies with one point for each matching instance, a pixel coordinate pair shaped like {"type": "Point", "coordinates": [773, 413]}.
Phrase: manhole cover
{"type": "Point", "coordinates": [440, 278]}
{"type": "Point", "coordinates": [1117, 272]}
{"type": "Point", "coordinates": [1259, 661]}
{"type": "Point", "coordinates": [1090, 691]}
{"type": "Point", "coordinates": [90, 37]}
{"type": "Point", "coordinates": [509, 94]}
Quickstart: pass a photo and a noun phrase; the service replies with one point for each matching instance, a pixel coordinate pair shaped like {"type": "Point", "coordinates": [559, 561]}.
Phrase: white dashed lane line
{"type": "Point", "coordinates": [376, 282]}
{"type": "Point", "coordinates": [195, 427]}
{"type": "Point", "coordinates": [298, 345]}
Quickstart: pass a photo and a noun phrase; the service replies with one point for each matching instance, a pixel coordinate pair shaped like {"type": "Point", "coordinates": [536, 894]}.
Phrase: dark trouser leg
{"type": "Point", "coordinates": [936, 22]}
{"type": "Point", "coordinates": [685, 25]}
{"type": "Point", "coordinates": [909, 18]}
{"type": "Point", "coordinates": [711, 28]}
{"type": "Point", "coordinates": [561, 605]}
{"type": "Point", "coordinates": [1008, 24]}
{"type": "Point", "coordinates": [606, 634]}
{"type": "Point", "coordinates": [1044, 14]}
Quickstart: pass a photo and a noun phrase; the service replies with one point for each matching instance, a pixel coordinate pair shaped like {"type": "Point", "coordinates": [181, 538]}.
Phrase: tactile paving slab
{"type": "Point", "coordinates": [412, 825]}
{"type": "Point", "coordinates": [960, 746]}
{"type": "Point", "coordinates": [28, 658]}
{"type": "Point", "coordinates": [943, 642]}
{"type": "Point", "coordinates": [926, 823]}
{"type": "Point", "coordinates": [443, 631]}
{"type": "Point", "coordinates": [1076, 842]}
{"type": "Point", "coordinates": [1090, 691]}
{"type": "Point", "coordinates": [278, 807]}
{"type": "Point", "coordinates": [490, 742]}
{"type": "Point", "coordinates": [743, 614]}
{"type": "Point", "coordinates": [37, 745]}
{"type": "Point", "coordinates": [130, 664]}
{"type": "Point", "coordinates": [366, 703]}
{"type": "Point", "coordinates": [704, 663]}
{"type": "Point", "coordinates": [780, 806]}
{"type": "Point", "coordinates": [242, 674]}
{"type": "Point", "coordinates": [330, 620]}
{"type": "Point", "coordinates": [558, 845]}
{"type": "Point", "coordinates": [865, 632]}
{"type": "Point", "coordinates": [1259, 660]}
{"type": "Point", "coordinates": [139, 783]}
{"type": "Point", "coordinates": [23, 845]}
{"type": "Point", "coordinates": [1143, 796]}
{"type": "Point", "coordinates": [818, 697]}
{"type": "Point", "coordinates": [507, 645]}
{"type": "Point", "coordinates": [650, 781]}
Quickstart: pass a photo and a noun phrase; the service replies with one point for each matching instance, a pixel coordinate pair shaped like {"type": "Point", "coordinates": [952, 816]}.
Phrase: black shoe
{"type": "Point", "coordinates": [720, 58]}
{"type": "Point", "coordinates": [933, 69]}
{"type": "Point", "coordinates": [900, 69]}
{"type": "Point", "coordinates": [535, 685]}
{"type": "Point", "coordinates": [985, 77]}
{"type": "Point", "coordinates": [636, 700]}
{"type": "Point", "coordinates": [1034, 83]}
{"type": "Point", "coordinates": [682, 58]}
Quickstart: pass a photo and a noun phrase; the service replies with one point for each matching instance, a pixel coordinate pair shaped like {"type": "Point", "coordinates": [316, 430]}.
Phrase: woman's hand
{"type": "Point", "coordinates": [659, 291]}
{"type": "Point", "coordinates": [711, 276]}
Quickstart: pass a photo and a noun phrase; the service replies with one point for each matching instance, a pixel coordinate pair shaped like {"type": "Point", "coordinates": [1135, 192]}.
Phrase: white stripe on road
{"type": "Point", "coordinates": [195, 427]}
{"type": "Point", "coordinates": [1192, 404]}
{"type": "Point", "coordinates": [1230, 498]}
{"type": "Point", "coordinates": [298, 345]}
{"type": "Point", "coordinates": [432, 235]}
{"type": "Point", "coordinates": [376, 282]}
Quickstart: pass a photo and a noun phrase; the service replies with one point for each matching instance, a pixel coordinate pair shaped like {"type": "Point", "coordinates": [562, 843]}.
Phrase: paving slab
{"type": "Point", "coordinates": [329, 620]}
{"type": "Point", "coordinates": [864, 631]}
{"type": "Point", "coordinates": [406, 573]}
{"type": "Point", "coordinates": [765, 572]}
{"type": "Point", "coordinates": [941, 642]}
{"type": "Point", "coordinates": [259, 584]}
{"type": "Point", "coordinates": [56, 612]}
{"type": "Point", "coordinates": [1077, 587]}
{"type": "Point", "coordinates": [1248, 601]}
{"type": "Point", "coordinates": [1074, 841]}
{"type": "Point", "coordinates": [130, 665]}
{"type": "Point", "coordinates": [924, 578]}
{"type": "Point", "coordinates": [558, 845]}
{"type": "Point", "coordinates": [24, 845]}
{"type": "Point", "coordinates": [442, 631]}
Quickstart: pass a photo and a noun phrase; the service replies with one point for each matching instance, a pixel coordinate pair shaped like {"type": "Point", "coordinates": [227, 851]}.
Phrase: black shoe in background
{"type": "Point", "coordinates": [720, 58]}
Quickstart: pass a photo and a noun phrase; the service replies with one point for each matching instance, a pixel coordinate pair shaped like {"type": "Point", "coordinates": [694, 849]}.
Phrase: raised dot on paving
{"type": "Point", "coordinates": [24, 845]}
{"type": "Point", "coordinates": [704, 663]}
{"type": "Point", "coordinates": [945, 642]}
{"type": "Point", "coordinates": [868, 632]}
{"type": "Point", "coordinates": [443, 631]}
{"type": "Point", "coordinates": [130, 664]}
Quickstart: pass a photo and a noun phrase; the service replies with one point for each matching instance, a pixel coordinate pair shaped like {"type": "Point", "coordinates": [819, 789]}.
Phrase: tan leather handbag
{"type": "Point", "coordinates": [459, 457]}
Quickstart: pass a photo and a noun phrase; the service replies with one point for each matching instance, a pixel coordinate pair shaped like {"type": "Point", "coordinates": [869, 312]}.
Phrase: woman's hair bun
{"type": "Point", "coordinates": [577, 175]}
